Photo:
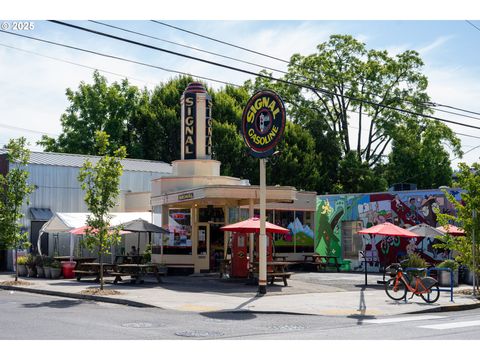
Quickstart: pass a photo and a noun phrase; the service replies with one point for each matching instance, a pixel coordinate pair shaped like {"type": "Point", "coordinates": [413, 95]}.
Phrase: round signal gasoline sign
{"type": "Point", "coordinates": [263, 122]}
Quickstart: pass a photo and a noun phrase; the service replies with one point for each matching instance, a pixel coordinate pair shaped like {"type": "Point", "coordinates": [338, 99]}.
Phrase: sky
{"type": "Point", "coordinates": [35, 75]}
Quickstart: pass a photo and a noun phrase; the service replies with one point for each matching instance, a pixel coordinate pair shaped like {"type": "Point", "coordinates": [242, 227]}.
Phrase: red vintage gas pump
{"type": "Point", "coordinates": [239, 255]}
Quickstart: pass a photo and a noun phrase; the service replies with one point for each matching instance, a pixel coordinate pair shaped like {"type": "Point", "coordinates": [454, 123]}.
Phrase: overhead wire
{"type": "Point", "coordinates": [118, 58]}
{"type": "Point", "coordinates": [74, 63]}
{"type": "Point", "coordinates": [187, 46]}
{"type": "Point", "coordinates": [263, 54]}
{"type": "Point", "coordinates": [327, 92]}
{"type": "Point", "coordinates": [220, 41]}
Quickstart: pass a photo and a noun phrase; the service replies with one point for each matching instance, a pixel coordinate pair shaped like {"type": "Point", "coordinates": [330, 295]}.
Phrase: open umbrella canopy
{"type": "Point", "coordinates": [425, 230]}
{"type": "Point", "coordinates": [140, 225]}
{"type": "Point", "coordinates": [451, 230]}
{"type": "Point", "coordinates": [388, 229]}
{"type": "Point", "coordinates": [252, 225]}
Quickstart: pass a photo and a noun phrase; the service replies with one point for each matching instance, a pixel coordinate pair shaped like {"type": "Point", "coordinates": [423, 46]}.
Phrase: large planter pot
{"type": "Point", "coordinates": [40, 272]}
{"type": "Point", "coordinates": [55, 273]}
{"type": "Point", "coordinates": [469, 277]}
{"type": "Point", "coordinates": [22, 270]}
{"type": "Point", "coordinates": [32, 271]}
{"type": "Point", "coordinates": [444, 278]}
{"type": "Point", "coordinates": [47, 269]}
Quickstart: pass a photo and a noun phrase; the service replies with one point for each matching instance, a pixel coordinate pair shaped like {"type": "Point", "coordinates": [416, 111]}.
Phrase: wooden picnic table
{"type": "Point", "coordinates": [92, 269]}
{"type": "Point", "coordinates": [128, 259]}
{"type": "Point", "coordinates": [136, 271]}
{"type": "Point", "coordinates": [321, 261]}
{"type": "Point", "coordinates": [275, 270]}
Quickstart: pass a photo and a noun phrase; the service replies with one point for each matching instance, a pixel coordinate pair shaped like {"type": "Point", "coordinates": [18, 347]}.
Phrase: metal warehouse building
{"type": "Point", "coordinates": [57, 189]}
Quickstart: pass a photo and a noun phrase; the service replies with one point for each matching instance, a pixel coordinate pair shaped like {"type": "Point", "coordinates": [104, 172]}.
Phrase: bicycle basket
{"type": "Point", "coordinates": [392, 270]}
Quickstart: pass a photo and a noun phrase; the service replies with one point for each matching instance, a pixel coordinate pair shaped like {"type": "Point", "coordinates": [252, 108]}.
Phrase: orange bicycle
{"type": "Point", "coordinates": [399, 283]}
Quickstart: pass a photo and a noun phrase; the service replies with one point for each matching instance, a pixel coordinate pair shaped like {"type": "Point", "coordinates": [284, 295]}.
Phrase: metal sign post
{"type": "Point", "coordinates": [263, 124]}
{"type": "Point", "coordinates": [262, 253]}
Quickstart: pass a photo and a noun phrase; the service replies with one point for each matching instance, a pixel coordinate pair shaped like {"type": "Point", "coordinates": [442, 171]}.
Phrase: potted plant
{"type": "Point", "coordinates": [39, 266]}
{"type": "Point", "coordinates": [444, 276]}
{"type": "Point", "coordinates": [31, 268]}
{"type": "Point", "coordinates": [55, 269]}
{"type": "Point", "coordinates": [47, 266]}
{"type": "Point", "coordinates": [415, 261]}
{"type": "Point", "coordinates": [22, 266]}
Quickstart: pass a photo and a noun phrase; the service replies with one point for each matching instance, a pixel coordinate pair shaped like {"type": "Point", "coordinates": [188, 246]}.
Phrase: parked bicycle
{"type": "Point", "coordinates": [399, 283]}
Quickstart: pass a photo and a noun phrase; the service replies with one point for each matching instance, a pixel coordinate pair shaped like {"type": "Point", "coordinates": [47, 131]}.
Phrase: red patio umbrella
{"type": "Point", "coordinates": [388, 229]}
{"type": "Point", "coordinates": [451, 230]}
{"type": "Point", "coordinates": [252, 225]}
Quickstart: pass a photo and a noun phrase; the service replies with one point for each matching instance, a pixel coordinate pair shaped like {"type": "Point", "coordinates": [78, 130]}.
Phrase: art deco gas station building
{"type": "Point", "coordinates": [195, 201]}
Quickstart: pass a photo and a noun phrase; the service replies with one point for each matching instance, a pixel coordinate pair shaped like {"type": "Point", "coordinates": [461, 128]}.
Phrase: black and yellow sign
{"type": "Point", "coordinates": [263, 123]}
{"type": "Point", "coordinates": [186, 196]}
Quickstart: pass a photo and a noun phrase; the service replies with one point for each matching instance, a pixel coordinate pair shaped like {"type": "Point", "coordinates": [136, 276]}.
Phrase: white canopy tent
{"type": "Point", "coordinates": [64, 222]}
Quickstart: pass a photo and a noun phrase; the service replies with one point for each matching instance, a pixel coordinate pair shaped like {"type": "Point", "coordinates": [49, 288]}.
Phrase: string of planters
{"type": "Point", "coordinates": [39, 266]}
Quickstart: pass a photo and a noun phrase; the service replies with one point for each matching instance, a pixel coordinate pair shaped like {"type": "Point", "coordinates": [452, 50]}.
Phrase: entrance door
{"type": "Point", "coordinates": [202, 260]}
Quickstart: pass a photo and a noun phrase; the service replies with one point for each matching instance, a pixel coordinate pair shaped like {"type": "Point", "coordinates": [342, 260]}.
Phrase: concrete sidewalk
{"type": "Point", "coordinates": [335, 294]}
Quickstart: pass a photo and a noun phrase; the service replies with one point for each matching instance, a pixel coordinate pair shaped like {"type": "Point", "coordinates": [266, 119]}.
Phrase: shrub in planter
{"type": "Point", "coordinates": [444, 276]}
{"type": "Point", "coordinates": [39, 266]}
{"type": "Point", "coordinates": [415, 261]}
{"type": "Point", "coordinates": [47, 266]}
{"type": "Point", "coordinates": [22, 266]}
{"type": "Point", "coordinates": [55, 270]}
{"type": "Point", "coordinates": [32, 270]}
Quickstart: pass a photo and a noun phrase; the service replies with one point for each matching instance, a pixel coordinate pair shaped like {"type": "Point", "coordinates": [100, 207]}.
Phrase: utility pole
{"type": "Point", "coordinates": [474, 218]}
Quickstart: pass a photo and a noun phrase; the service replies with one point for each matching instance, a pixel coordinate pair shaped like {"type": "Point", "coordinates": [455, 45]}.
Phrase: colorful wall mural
{"type": "Point", "coordinates": [403, 208]}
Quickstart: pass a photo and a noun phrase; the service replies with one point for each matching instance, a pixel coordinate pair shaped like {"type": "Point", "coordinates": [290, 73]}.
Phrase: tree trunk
{"type": "Point", "coordinates": [16, 264]}
{"type": "Point", "coordinates": [101, 270]}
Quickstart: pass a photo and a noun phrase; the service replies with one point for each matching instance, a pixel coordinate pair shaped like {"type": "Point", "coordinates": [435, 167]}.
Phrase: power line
{"type": "Point", "coordinates": [456, 108]}
{"type": "Point", "coordinates": [327, 92]}
{"type": "Point", "coordinates": [27, 130]}
{"type": "Point", "coordinates": [220, 41]}
{"type": "Point", "coordinates": [74, 63]}
{"type": "Point", "coordinates": [433, 104]}
{"type": "Point", "coordinates": [476, 27]}
{"type": "Point", "coordinates": [187, 46]}
{"type": "Point", "coordinates": [117, 58]}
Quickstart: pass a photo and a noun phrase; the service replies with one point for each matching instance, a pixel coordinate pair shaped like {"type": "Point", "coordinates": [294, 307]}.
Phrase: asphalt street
{"type": "Point", "coordinates": [29, 316]}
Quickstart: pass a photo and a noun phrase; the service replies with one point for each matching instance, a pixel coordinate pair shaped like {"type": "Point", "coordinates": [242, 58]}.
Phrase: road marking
{"type": "Point", "coordinates": [402, 319]}
{"type": "Point", "coordinates": [454, 325]}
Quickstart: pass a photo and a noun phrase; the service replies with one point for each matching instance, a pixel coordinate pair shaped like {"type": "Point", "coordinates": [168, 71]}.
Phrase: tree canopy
{"type": "Point", "coordinates": [344, 126]}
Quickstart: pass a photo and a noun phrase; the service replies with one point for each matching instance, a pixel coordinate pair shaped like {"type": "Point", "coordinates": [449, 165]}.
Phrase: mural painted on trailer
{"type": "Point", "coordinates": [405, 208]}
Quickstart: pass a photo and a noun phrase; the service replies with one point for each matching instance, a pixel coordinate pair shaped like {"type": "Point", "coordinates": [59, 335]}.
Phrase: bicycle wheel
{"type": "Point", "coordinates": [398, 293]}
{"type": "Point", "coordinates": [432, 296]}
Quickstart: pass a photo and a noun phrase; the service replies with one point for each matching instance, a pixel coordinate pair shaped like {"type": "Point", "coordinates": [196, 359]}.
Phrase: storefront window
{"type": "Point", "coordinates": [211, 214]}
{"type": "Point", "coordinates": [284, 243]}
{"type": "Point", "coordinates": [303, 231]}
{"type": "Point", "coordinates": [179, 241]}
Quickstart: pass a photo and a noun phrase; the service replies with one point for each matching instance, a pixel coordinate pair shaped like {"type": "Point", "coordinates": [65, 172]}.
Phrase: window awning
{"type": "Point", "coordinates": [40, 214]}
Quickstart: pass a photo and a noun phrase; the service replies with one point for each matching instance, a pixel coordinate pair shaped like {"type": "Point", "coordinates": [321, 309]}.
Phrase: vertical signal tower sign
{"type": "Point", "coordinates": [196, 117]}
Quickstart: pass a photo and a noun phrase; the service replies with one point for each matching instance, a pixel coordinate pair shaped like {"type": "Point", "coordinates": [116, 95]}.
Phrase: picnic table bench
{"type": "Point", "coordinates": [137, 272]}
{"type": "Point", "coordinates": [275, 270]}
{"type": "Point", "coordinates": [321, 261]}
{"type": "Point", "coordinates": [92, 269]}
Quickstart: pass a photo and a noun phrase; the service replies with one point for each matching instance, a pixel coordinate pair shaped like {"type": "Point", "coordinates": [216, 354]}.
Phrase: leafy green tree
{"type": "Point", "coordinates": [419, 157]}
{"type": "Point", "coordinates": [344, 83]}
{"type": "Point", "coordinates": [468, 180]}
{"type": "Point", "coordinates": [98, 107]}
{"type": "Point", "coordinates": [101, 183]}
{"type": "Point", "coordinates": [14, 191]}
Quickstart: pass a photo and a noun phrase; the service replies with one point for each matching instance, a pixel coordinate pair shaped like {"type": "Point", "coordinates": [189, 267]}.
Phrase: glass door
{"type": "Point", "coordinates": [203, 246]}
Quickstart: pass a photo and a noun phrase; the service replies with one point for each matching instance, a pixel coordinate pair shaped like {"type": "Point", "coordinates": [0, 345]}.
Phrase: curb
{"type": "Point", "coordinates": [445, 308]}
{"type": "Point", "coordinates": [80, 296]}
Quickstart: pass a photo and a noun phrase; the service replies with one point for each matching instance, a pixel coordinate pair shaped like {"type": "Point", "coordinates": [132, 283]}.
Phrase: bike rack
{"type": "Point", "coordinates": [437, 269]}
